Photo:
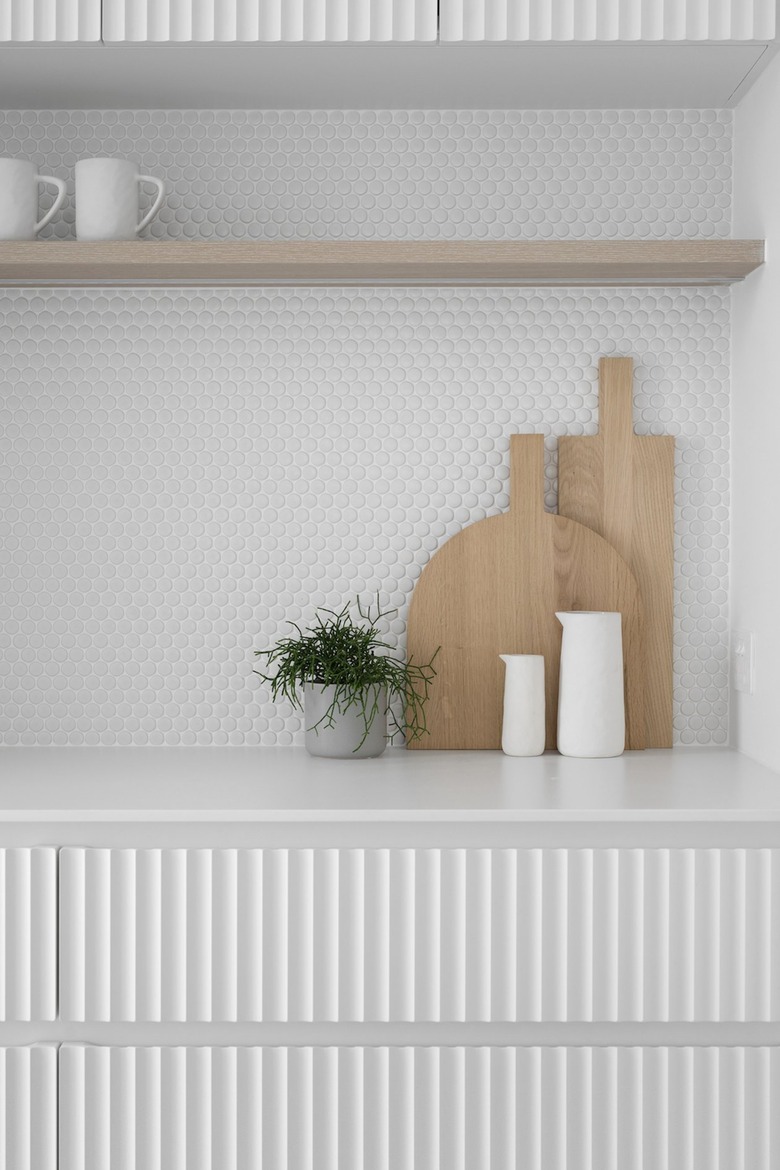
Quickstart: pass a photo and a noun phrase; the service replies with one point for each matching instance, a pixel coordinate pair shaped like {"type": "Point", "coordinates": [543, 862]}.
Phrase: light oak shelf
{"type": "Point", "coordinates": [665, 262]}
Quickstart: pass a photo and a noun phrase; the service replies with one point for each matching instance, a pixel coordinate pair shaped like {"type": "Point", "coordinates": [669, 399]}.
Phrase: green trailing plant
{"type": "Point", "coordinates": [351, 656]}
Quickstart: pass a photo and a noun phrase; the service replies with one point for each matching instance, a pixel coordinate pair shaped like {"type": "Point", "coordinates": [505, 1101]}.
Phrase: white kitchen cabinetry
{"type": "Point", "coordinates": [268, 21]}
{"type": "Point", "coordinates": [383, 21]}
{"type": "Point", "coordinates": [429, 961]}
{"type": "Point", "coordinates": [456, 934]}
{"type": "Point", "coordinates": [607, 20]}
{"type": "Point", "coordinates": [28, 934]}
{"type": "Point", "coordinates": [28, 1107]}
{"type": "Point", "coordinates": [50, 22]}
{"type": "Point", "coordinates": [427, 1108]}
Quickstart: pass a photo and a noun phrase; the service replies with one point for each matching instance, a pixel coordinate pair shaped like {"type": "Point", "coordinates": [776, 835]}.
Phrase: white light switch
{"type": "Point", "coordinates": [742, 658]}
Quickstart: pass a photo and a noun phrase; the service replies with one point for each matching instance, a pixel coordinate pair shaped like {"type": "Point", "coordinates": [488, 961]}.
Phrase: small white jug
{"type": "Point", "coordinates": [591, 704]}
{"type": "Point", "coordinates": [19, 181]}
{"type": "Point", "coordinates": [107, 199]}
{"type": "Point", "coordinates": [523, 728]}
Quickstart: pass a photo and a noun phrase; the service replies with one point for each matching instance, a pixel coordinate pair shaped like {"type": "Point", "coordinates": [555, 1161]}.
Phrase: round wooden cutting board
{"type": "Point", "coordinates": [494, 588]}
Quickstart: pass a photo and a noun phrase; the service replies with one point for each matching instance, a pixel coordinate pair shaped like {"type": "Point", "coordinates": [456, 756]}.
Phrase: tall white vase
{"type": "Point", "coordinates": [523, 730]}
{"type": "Point", "coordinates": [591, 704]}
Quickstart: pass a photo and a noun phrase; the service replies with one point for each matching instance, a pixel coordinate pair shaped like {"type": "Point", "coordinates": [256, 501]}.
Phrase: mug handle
{"type": "Point", "coordinates": [56, 205]}
{"type": "Point", "coordinates": [152, 212]}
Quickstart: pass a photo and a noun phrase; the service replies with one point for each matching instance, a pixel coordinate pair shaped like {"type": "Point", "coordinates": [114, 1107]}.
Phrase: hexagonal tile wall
{"type": "Point", "coordinates": [181, 473]}
{"type": "Point", "coordinates": [404, 174]}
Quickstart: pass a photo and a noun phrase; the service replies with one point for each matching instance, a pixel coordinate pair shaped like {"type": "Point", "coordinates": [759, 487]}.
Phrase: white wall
{"type": "Point", "coordinates": [755, 719]}
{"type": "Point", "coordinates": [184, 471]}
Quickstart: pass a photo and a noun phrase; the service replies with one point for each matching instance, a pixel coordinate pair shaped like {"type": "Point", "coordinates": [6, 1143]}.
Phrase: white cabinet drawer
{"type": "Point", "coordinates": [50, 21]}
{"type": "Point", "coordinates": [607, 20]}
{"type": "Point", "coordinates": [418, 1108]}
{"type": "Point", "coordinates": [28, 1107]}
{"type": "Point", "coordinates": [247, 21]}
{"type": "Point", "coordinates": [420, 934]}
{"type": "Point", "coordinates": [28, 934]}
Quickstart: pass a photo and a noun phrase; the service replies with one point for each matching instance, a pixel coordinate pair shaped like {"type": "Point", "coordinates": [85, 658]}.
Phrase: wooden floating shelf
{"type": "Point", "coordinates": [534, 263]}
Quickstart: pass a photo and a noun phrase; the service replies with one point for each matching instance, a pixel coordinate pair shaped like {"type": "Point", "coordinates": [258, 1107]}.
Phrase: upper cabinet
{"type": "Point", "coordinates": [269, 21]}
{"type": "Point", "coordinates": [25, 22]}
{"type": "Point", "coordinates": [607, 20]}
{"type": "Point", "coordinates": [383, 21]}
{"type": "Point", "coordinates": [415, 54]}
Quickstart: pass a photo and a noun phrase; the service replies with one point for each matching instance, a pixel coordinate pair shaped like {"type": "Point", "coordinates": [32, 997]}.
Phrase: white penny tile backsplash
{"type": "Point", "coordinates": [184, 471]}
{"type": "Point", "coordinates": [404, 174]}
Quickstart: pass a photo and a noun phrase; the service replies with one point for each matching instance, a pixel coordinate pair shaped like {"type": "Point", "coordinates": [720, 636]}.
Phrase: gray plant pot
{"type": "Point", "coordinates": [340, 739]}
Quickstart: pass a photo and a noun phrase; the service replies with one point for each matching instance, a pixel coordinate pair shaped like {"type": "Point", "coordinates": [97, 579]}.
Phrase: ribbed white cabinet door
{"type": "Point", "coordinates": [419, 1108]}
{"type": "Point", "coordinates": [28, 1107]}
{"type": "Point", "coordinates": [28, 934]}
{"type": "Point", "coordinates": [420, 934]}
{"type": "Point", "coordinates": [607, 20]}
{"type": "Point", "coordinates": [250, 21]}
{"type": "Point", "coordinates": [49, 21]}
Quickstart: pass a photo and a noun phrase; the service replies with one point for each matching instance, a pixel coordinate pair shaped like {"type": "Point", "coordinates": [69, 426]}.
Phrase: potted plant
{"type": "Point", "coordinates": [340, 672]}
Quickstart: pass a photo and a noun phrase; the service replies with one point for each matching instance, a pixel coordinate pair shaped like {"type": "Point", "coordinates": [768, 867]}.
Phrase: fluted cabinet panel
{"type": "Point", "coordinates": [28, 1107]}
{"type": "Point", "coordinates": [607, 20]}
{"type": "Point", "coordinates": [418, 1108]}
{"type": "Point", "coordinates": [28, 934]}
{"type": "Point", "coordinates": [420, 934]}
{"type": "Point", "coordinates": [269, 20]}
{"type": "Point", "coordinates": [49, 21]}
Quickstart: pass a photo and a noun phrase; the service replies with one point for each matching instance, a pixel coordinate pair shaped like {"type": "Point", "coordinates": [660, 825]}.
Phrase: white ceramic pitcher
{"type": "Point", "coordinates": [19, 181]}
{"type": "Point", "coordinates": [523, 728]}
{"type": "Point", "coordinates": [107, 191]}
{"type": "Point", "coordinates": [591, 703]}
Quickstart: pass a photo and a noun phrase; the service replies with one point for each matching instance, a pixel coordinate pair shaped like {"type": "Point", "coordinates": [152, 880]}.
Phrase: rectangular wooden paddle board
{"type": "Point", "coordinates": [622, 486]}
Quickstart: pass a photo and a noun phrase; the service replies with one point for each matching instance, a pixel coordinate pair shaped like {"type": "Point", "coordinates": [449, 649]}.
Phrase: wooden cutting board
{"type": "Point", "coordinates": [622, 486]}
{"type": "Point", "coordinates": [494, 588]}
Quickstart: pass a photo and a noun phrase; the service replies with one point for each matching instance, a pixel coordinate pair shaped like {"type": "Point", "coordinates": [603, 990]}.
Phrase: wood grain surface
{"type": "Point", "coordinates": [366, 262]}
{"type": "Point", "coordinates": [494, 588]}
{"type": "Point", "coordinates": [622, 486]}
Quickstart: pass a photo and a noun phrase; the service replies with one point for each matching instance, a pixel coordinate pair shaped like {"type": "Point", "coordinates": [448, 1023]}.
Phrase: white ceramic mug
{"type": "Point", "coordinates": [107, 199]}
{"type": "Point", "coordinates": [19, 181]}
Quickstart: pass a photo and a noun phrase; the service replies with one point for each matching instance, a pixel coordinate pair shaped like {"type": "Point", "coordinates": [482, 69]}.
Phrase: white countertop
{"type": "Point", "coordinates": [285, 784]}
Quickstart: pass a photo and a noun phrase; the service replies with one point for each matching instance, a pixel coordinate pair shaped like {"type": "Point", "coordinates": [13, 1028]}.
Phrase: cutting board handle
{"type": "Point", "coordinates": [526, 475]}
{"type": "Point", "coordinates": [616, 385]}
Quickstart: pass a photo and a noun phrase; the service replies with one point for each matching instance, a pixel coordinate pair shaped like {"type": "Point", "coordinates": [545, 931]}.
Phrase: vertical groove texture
{"type": "Point", "coordinates": [607, 20]}
{"type": "Point", "coordinates": [269, 20]}
{"type": "Point", "coordinates": [28, 934]}
{"type": "Point", "coordinates": [418, 1108]}
{"type": "Point", "coordinates": [28, 1108]}
{"type": "Point", "coordinates": [44, 21]}
{"type": "Point", "coordinates": [420, 934]}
